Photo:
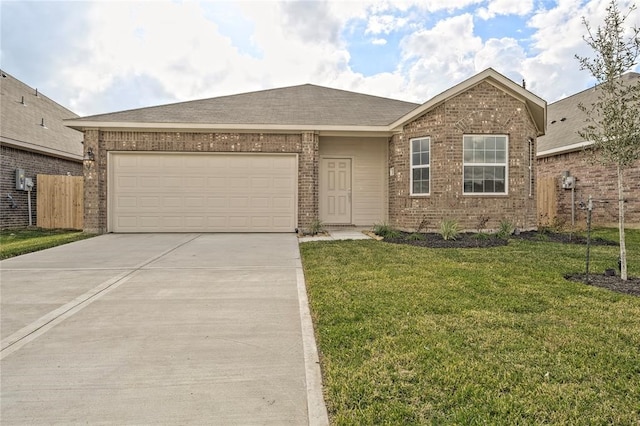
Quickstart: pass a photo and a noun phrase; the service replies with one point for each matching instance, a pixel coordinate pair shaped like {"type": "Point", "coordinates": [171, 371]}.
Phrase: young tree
{"type": "Point", "coordinates": [613, 121]}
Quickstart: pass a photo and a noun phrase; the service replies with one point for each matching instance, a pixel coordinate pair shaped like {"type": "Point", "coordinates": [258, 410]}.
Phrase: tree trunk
{"type": "Point", "coordinates": [623, 248]}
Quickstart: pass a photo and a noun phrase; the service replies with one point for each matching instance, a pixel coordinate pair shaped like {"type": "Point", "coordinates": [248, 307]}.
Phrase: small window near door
{"type": "Point", "coordinates": [420, 170]}
{"type": "Point", "coordinates": [485, 164]}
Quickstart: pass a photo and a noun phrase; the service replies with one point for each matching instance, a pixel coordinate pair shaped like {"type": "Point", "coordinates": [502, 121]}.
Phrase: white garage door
{"type": "Point", "coordinates": [202, 192]}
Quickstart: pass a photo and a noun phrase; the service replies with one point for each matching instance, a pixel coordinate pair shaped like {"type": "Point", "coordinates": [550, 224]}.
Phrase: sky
{"type": "Point", "coordinates": [107, 56]}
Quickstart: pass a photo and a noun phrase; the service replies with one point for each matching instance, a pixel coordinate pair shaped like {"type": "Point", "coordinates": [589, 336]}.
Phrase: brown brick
{"type": "Point", "coordinates": [482, 109]}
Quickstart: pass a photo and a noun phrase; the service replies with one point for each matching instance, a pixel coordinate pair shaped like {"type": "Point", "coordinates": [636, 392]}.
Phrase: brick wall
{"type": "Point", "coordinates": [599, 181]}
{"type": "Point", "coordinates": [483, 109]}
{"type": "Point", "coordinates": [33, 164]}
{"type": "Point", "coordinates": [305, 145]}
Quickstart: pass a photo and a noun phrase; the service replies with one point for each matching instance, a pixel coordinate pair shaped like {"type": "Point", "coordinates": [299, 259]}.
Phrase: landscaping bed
{"type": "Point", "coordinates": [477, 240]}
{"type": "Point", "coordinates": [463, 240]}
{"type": "Point", "coordinates": [610, 282]}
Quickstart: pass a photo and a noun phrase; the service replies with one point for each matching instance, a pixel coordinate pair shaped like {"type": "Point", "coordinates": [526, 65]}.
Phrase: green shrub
{"type": "Point", "coordinates": [449, 229]}
{"type": "Point", "coordinates": [385, 230]}
{"type": "Point", "coordinates": [481, 236]}
{"type": "Point", "coordinates": [416, 236]}
{"type": "Point", "coordinates": [506, 228]}
{"type": "Point", "coordinates": [315, 227]}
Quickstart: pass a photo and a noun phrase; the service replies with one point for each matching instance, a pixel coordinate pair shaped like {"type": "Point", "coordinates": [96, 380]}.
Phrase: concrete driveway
{"type": "Point", "coordinates": [159, 328]}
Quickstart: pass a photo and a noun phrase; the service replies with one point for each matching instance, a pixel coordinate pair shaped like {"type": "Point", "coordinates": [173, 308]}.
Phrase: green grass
{"type": "Point", "coordinates": [15, 242]}
{"type": "Point", "coordinates": [410, 335]}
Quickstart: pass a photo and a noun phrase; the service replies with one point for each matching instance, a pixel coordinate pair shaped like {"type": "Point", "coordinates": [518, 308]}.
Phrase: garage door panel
{"type": "Point", "coordinates": [237, 202]}
{"type": "Point", "coordinates": [260, 202]}
{"type": "Point", "coordinates": [260, 183]}
{"type": "Point", "coordinates": [283, 183]}
{"type": "Point", "coordinates": [282, 203]}
{"type": "Point", "coordinates": [125, 202]}
{"type": "Point", "coordinates": [127, 182]}
{"type": "Point", "coordinates": [149, 202]}
{"type": "Point", "coordinates": [171, 201]}
{"type": "Point", "coordinates": [174, 192]}
{"type": "Point", "coordinates": [242, 182]}
{"type": "Point", "coordinates": [195, 182]}
{"type": "Point", "coordinates": [217, 202]}
{"type": "Point", "coordinates": [214, 183]}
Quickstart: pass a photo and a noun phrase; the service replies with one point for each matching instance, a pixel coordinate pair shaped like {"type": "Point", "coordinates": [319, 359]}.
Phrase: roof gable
{"type": "Point", "coordinates": [536, 106]}
{"type": "Point", "coordinates": [34, 122]}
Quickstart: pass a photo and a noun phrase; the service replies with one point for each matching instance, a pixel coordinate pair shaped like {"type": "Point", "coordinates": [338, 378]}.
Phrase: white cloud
{"type": "Point", "coordinates": [434, 59]}
{"type": "Point", "coordinates": [552, 71]}
{"type": "Point", "coordinates": [132, 54]}
{"type": "Point", "coordinates": [505, 7]}
{"type": "Point", "coordinates": [448, 5]}
{"type": "Point", "coordinates": [384, 24]}
{"type": "Point", "coordinates": [505, 55]}
{"type": "Point", "coordinates": [170, 43]}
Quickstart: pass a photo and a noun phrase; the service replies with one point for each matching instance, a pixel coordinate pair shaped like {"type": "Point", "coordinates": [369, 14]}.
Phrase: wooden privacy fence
{"type": "Point", "coordinates": [547, 200]}
{"type": "Point", "coordinates": [60, 201]}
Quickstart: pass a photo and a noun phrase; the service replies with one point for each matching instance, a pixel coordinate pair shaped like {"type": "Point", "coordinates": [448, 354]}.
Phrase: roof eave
{"type": "Point", "coordinates": [329, 130]}
{"type": "Point", "coordinates": [564, 149]}
{"type": "Point", "coordinates": [27, 146]}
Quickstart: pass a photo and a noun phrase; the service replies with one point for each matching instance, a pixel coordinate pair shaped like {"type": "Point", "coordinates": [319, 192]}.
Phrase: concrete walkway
{"type": "Point", "coordinates": [159, 328]}
{"type": "Point", "coordinates": [338, 234]}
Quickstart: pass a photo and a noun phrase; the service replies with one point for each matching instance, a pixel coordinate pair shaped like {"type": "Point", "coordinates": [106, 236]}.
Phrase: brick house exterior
{"type": "Point", "coordinates": [32, 138]}
{"type": "Point", "coordinates": [500, 113]}
{"type": "Point", "coordinates": [561, 150]}
{"type": "Point", "coordinates": [327, 130]}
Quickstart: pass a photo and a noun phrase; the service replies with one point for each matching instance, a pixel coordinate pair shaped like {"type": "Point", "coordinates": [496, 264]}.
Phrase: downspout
{"type": "Point", "coordinates": [530, 167]}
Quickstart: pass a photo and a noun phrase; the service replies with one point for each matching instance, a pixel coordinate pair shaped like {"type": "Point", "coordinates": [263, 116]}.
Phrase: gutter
{"type": "Point", "coordinates": [564, 149]}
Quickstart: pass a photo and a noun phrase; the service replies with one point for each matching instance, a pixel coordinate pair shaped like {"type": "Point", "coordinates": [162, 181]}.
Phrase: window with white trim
{"type": "Point", "coordinates": [485, 164]}
{"type": "Point", "coordinates": [420, 160]}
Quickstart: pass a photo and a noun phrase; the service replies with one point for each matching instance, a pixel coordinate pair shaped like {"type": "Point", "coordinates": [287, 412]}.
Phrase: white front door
{"type": "Point", "coordinates": [335, 190]}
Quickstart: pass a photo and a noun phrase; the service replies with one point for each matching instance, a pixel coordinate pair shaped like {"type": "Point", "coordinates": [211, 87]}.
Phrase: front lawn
{"type": "Point", "coordinates": [411, 335]}
{"type": "Point", "coordinates": [14, 242]}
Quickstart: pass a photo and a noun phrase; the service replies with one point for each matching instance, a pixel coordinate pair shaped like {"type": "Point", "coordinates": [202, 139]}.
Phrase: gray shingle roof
{"type": "Point", "coordinates": [564, 118]}
{"type": "Point", "coordinates": [297, 105]}
{"type": "Point", "coordinates": [21, 124]}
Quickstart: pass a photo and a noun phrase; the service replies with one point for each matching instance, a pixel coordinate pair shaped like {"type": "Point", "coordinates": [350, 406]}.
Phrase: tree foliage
{"type": "Point", "coordinates": [613, 120]}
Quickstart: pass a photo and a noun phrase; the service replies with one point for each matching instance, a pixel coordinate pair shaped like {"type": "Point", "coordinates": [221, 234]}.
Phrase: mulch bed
{"type": "Point", "coordinates": [612, 282]}
{"type": "Point", "coordinates": [464, 240]}
{"type": "Point", "coordinates": [557, 237]}
{"type": "Point", "coordinates": [474, 240]}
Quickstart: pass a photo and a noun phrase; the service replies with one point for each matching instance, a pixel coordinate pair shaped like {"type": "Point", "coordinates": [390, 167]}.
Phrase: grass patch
{"type": "Point", "coordinates": [15, 242]}
{"type": "Point", "coordinates": [412, 335]}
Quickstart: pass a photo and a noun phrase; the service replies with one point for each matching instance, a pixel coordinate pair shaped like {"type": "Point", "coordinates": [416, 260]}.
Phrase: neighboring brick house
{"type": "Point", "coordinates": [276, 160]}
{"type": "Point", "coordinates": [561, 152]}
{"type": "Point", "coordinates": [34, 139]}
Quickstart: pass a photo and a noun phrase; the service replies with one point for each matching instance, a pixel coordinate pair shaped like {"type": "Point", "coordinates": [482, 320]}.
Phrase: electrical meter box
{"type": "Point", "coordinates": [21, 182]}
{"type": "Point", "coordinates": [569, 182]}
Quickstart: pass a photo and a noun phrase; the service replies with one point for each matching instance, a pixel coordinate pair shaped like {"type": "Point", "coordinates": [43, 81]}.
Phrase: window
{"type": "Point", "coordinates": [420, 166]}
{"type": "Point", "coordinates": [485, 164]}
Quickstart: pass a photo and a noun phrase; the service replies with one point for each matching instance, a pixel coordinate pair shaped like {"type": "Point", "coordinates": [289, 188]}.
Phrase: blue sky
{"type": "Point", "coordinates": [104, 56]}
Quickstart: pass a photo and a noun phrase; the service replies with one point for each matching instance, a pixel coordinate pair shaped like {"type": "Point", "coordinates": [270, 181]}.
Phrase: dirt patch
{"type": "Point", "coordinates": [611, 282]}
